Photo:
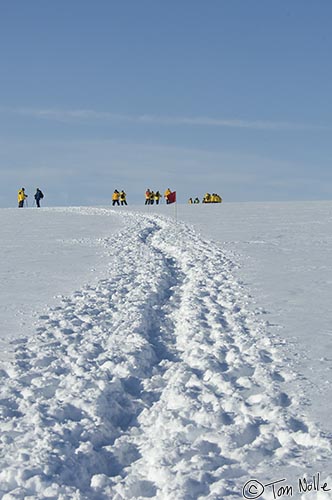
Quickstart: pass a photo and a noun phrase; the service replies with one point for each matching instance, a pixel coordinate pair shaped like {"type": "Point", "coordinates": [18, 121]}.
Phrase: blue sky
{"type": "Point", "coordinates": [232, 96]}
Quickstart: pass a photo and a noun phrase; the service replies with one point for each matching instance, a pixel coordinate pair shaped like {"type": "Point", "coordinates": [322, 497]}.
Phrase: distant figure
{"type": "Point", "coordinates": [196, 200]}
{"type": "Point", "coordinates": [215, 198]}
{"type": "Point", "coordinates": [123, 198]}
{"type": "Point", "coordinates": [212, 198]}
{"type": "Point", "coordinates": [190, 201]}
{"type": "Point", "coordinates": [157, 197]}
{"type": "Point", "coordinates": [38, 196]}
{"type": "Point", "coordinates": [151, 202]}
{"type": "Point", "coordinates": [21, 196]}
{"type": "Point", "coordinates": [115, 197]}
{"type": "Point", "coordinates": [147, 197]}
{"type": "Point", "coordinates": [166, 195]}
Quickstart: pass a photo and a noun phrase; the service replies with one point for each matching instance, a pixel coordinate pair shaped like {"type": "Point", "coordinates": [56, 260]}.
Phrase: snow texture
{"type": "Point", "coordinates": [158, 380]}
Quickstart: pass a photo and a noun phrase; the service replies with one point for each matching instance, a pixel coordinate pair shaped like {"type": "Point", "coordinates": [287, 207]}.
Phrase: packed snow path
{"type": "Point", "coordinates": [157, 383]}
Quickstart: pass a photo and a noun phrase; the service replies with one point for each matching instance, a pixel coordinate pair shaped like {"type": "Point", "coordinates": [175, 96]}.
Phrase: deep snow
{"type": "Point", "coordinates": [283, 253]}
{"type": "Point", "coordinates": [173, 366]}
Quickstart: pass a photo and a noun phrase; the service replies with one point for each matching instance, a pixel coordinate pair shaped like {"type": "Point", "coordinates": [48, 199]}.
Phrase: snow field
{"type": "Point", "coordinates": [44, 254]}
{"type": "Point", "coordinates": [157, 382]}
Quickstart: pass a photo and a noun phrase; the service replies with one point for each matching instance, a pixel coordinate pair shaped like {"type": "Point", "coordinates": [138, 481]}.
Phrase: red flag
{"type": "Point", "coordinates": [171, 198]}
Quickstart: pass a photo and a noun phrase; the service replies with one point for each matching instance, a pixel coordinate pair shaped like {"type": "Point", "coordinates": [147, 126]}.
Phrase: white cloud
{"type": "Point", "coordinates": [87, 115]}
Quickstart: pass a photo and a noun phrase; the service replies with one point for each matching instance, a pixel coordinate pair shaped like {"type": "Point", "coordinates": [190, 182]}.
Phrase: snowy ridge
{"type": "Point", "coordinates": [156, 383]}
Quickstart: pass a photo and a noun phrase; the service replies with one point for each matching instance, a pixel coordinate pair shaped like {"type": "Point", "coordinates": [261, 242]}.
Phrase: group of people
{"type": "Point", "coordinates": [207, 198]}
{"type": "Point", "coordinates": [212, 198]}
{"type": "Point", "coordinates": [22, 197]}
{"type": "Point", "coordinates": [155, 196]}
{"type": "Point", "coordinates": [151, 197]}
{"type": "Point", "coordinates": [119, 197]}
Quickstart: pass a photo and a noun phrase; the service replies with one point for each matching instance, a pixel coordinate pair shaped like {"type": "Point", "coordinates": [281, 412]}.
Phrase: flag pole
{"type": "Point", "coordinates": [171, 198]}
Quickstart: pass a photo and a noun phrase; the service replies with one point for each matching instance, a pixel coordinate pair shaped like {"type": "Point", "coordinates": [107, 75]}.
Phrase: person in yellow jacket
{"type": "Point", "coordinates": [215, 198]}
{"type": "Point", "coordinates": [151, 198]}
{"type": "Point", "coordinates": [147, 196]}
{"type": "Point", "coordinates": [123, 198]}
{"type": "Point", "coordinates": [21, 196]}
{"type": "Point", "coordinates": [166, 194]}
{"type": "Point", "coordinates": [115, 197]}
{"type": "Point", "coordinates": [157, 197]}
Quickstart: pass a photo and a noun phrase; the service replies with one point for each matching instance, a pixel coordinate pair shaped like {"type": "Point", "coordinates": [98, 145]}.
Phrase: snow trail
{"type": "Point", "coordinates": [156, 383]}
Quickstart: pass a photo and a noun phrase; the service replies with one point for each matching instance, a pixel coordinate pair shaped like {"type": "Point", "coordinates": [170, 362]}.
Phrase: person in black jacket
{"type": "Point", "coordinates": [38, 196]}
